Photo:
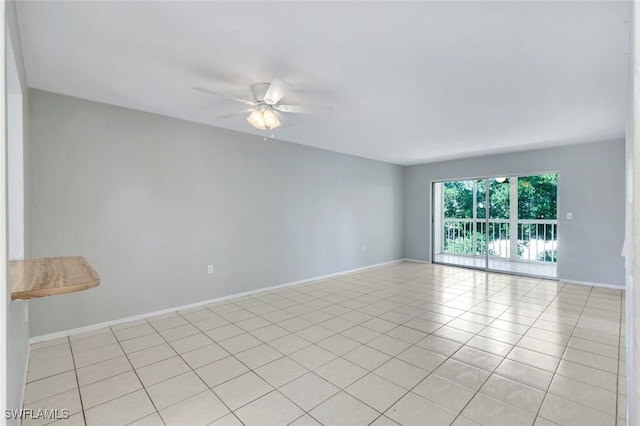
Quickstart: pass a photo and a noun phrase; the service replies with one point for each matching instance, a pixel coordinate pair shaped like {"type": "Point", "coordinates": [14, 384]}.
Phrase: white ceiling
{"type": "Point", "coordinates": [409, 82]}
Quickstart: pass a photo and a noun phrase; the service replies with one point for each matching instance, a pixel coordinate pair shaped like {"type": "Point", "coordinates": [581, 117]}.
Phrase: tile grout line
{"type": "Point", "coordinates": [432, 372]}
{"type": "Point", "coordinates": [230, 355]}
{"type": "Point", "coordinates": [586, 302]}
{"type": "Point", "coordinates": [442, 325]}
{"type": "Point", "coordinates": [381, 414]}
{"type": "Point", "coordinates": [465, 344]}
{"type": "Point", "coordinates": [141, 384]}
{"type": "Point", "coordinates": [133, 369]}
{"type": "Point", "coordinates": [335, 333]}
{"type": "Point", "coordinates": [193, 371]}
{"type": "Point", "coordinates": [114, 375]}
{"type": "Point", "coordinates": [513, 347]}
{"type": "Point", "coordinates": [75, 374]}
{"type": "Point", "coordinates": [277, 389]}
{"type": "Point", "coordinates": [407, 283]}
{"type": "Point", "coordinates": [307, 412]}
{"type": "Point", "coordinates": [239, 308]}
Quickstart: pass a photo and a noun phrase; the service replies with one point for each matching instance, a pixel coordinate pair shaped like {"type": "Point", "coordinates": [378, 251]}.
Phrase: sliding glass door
{"type": "Point", "coordinates": [460, 229]}
{"type": "Point", "coordinates": [504, 224]}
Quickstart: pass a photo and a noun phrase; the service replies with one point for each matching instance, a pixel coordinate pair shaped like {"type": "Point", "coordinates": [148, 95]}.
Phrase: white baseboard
{"type": "Point", "coordinates": [92, 327]}
{"type": "Point", "coordinates": [406, 259]}
{"type": "Point", "coordinates": [615, 287]}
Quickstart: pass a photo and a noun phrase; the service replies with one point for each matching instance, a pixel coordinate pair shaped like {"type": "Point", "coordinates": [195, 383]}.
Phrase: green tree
{"type": "Point", "coordinates": [537, 197]}
{"type": "Point", "coordinates": [458, 199]}
{"type": "Point", "coordinates": [499, 199]}
{"type": "Point", "coordinates": [537, 200]}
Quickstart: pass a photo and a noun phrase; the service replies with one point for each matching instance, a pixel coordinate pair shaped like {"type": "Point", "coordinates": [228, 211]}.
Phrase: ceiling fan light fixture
{"type": "Point", "coordinates": [256, 120]}
{"type": "Point", "coordinates": [263, 119]}
{"type": "Point", "coordinates": [270, 119]}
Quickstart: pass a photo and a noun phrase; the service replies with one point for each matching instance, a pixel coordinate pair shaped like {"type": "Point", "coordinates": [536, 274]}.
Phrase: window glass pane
{"type": "Point", "coordinates": [458, 199]}
{"type": "Point", "coordinates": [499, 198]}
{"type": "Point", "coordinates": [481, 199]}
{"type": "Point", "coordinates": [537, 197]}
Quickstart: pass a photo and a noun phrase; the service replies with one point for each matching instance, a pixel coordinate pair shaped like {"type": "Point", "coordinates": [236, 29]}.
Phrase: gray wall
{"type": "Point", "coordinates": [591, 185]}
{"type": "Point", "coordinates": [150, 201]}
{"type": "Point", "coordinates": [17, 328]}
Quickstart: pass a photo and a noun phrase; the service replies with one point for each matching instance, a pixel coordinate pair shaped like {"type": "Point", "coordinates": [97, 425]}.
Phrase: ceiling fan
{"type": "Point", "coordinates": [266, 111]}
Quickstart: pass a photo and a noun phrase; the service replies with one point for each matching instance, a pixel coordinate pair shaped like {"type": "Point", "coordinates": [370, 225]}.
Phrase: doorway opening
{"type": "Point", "coordinates": [503, 224]}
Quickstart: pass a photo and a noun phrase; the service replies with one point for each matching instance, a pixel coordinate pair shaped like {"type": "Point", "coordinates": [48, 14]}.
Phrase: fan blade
{"type": "Point", "coordinates": [233, 114]}
{"type": "Point", "coordinates": [304, 109]}
{"type": "Point", "coordinates": [285, 122]}
{"type": "Point", "coordinates": [276, 91]}
{"type": "Point", "coordinates": [211, 92]}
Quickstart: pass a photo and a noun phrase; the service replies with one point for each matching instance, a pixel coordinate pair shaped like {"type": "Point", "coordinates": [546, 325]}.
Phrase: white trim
{"type": "Point", "coordinates": [633, 220]}
{"type": "Point", "coordinates": [406, 259]}
{"type": "Point", "coordinates": [4, 288]}
{"type": "Point", "coordinates": [507, 175]}
{"type": "Point", "coordinates": [615, 287]}
{"type": "Point", "coordinates": [65, 333]}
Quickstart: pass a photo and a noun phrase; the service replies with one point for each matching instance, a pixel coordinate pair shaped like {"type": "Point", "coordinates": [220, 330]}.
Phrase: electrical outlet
{"type": "Point", "coordinates": [209, 269]}
{"type": "Point", "coordinates": [569, 215]}
{"type": "Point", "coordinates": [364, 249]}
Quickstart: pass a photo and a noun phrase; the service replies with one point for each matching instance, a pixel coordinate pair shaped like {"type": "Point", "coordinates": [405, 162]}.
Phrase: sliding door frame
{"type": "Point", "coordinates": [432, 210]}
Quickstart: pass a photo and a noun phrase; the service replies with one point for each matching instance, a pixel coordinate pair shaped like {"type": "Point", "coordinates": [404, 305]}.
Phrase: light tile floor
{"type": "Point", "coordinates": [409, 344]}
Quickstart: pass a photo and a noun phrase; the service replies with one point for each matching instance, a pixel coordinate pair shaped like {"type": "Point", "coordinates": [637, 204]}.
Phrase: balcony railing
{"type": "Point", "coordinates": [534, 240]}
